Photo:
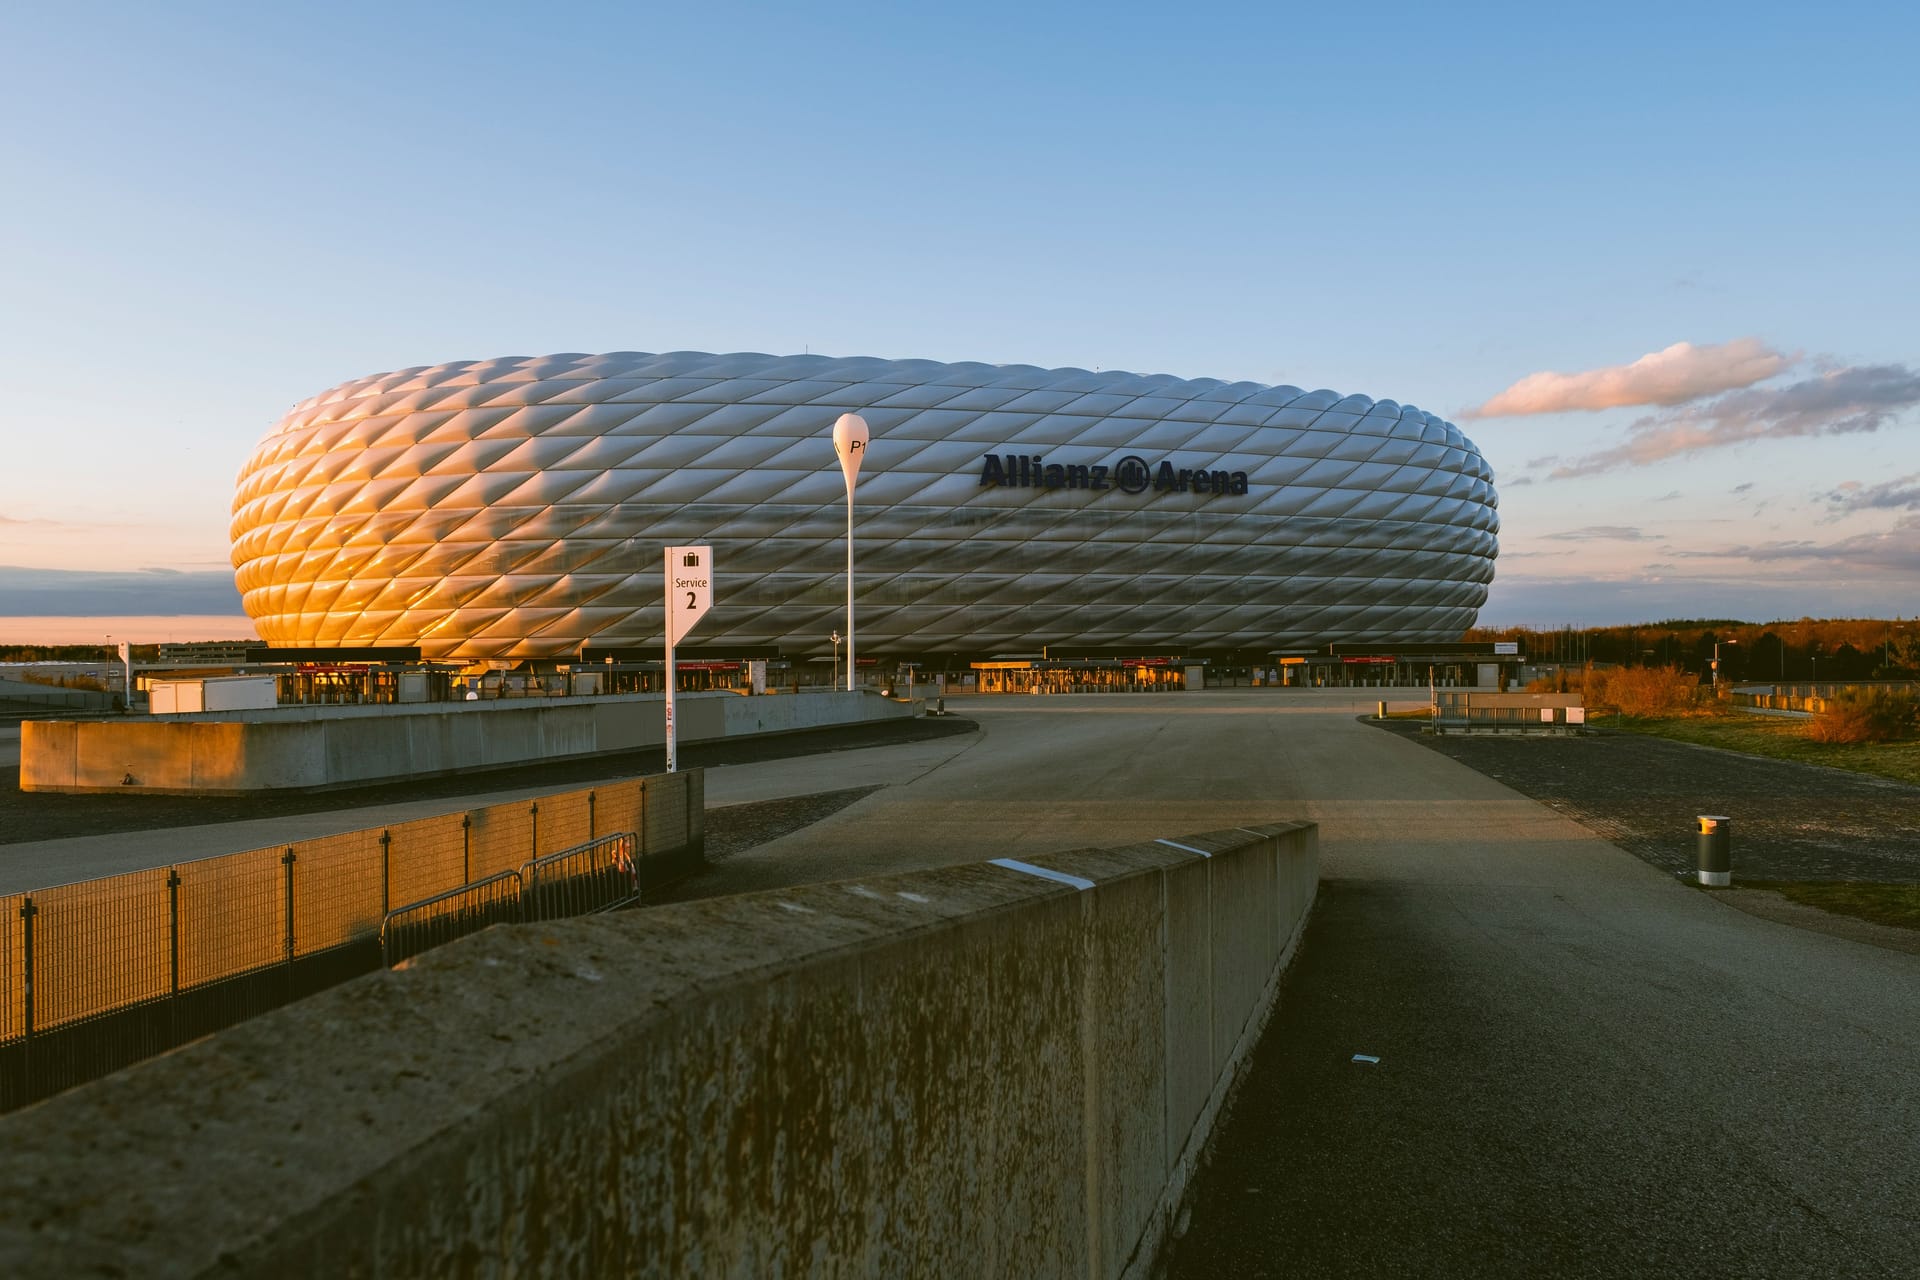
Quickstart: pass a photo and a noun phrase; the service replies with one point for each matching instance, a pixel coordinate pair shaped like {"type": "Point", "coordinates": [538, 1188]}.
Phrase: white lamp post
{"type": "Point", "coordinates": [850, 446]}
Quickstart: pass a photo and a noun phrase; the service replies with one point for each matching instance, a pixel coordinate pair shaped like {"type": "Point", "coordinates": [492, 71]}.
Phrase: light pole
{"type": "Point", "coordinates": [850, 446]}
{"type": "Point", "coordinates": [1716, 660]}
{"type": "Point", "coordinates": [835, 682]}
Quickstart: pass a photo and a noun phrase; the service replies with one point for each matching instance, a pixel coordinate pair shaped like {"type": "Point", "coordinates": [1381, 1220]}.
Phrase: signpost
{"type": "Point", "coordinates": [689, 582]}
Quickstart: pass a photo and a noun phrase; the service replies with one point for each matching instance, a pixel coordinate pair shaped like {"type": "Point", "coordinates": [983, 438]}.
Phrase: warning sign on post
{"type": "Point", "coordinates": [689, 589]}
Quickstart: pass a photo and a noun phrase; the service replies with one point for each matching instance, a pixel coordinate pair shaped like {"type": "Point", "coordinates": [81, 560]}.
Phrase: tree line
{"type": "Point", "coordinates": [1804, 649]}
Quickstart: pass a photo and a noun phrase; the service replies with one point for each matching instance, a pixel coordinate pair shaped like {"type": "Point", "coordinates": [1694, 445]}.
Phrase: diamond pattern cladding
{"type": "Point", "coordinates": [516, 508]}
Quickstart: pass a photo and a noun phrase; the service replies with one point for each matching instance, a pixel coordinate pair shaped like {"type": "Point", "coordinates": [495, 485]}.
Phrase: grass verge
{"type": "Point", "coordinates": [1896, 905]}
{"type": "Point", "coordinates": [1779, 738]}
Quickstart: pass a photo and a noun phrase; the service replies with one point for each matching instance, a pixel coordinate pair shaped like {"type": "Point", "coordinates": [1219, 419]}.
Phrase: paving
{"type": "Point", "coordinates": [1791, 821]}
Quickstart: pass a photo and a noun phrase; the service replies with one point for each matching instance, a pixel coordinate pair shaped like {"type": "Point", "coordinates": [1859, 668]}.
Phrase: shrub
{"type": "Point", "coordinates": [1654, 691]}
{"type": "Point", "coordinates": [1631, 691]}
{"type": "Point", "coordinates": [1867, 714]}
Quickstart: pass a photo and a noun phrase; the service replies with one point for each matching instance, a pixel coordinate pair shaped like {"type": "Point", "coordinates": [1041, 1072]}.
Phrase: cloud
{"type": "Point", "coordinates": [1601, 533]}
{"type": "Point", "coordinates": [1899, 494]}
{"type": "Point", "coordinates": [1839, 402]}
{"type": "Point", "coordinates": [1895, 548]}
{"type": "Point", "coordinates": [149, 592]}
{"type": "Point", "coordinates": [1742, 488]}
{"type": "Point", "coordinates": [1681, 373]}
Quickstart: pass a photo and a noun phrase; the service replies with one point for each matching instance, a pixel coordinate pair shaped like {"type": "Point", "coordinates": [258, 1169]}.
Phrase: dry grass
{"type": "Point", "coordinates": [1780, 738]}
{"type": "Point", "coordinates": [1894, 905]}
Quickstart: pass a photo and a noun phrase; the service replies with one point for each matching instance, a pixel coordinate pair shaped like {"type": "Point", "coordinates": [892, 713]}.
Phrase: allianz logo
{"type": "Point", "coordinates": [1132, 474]}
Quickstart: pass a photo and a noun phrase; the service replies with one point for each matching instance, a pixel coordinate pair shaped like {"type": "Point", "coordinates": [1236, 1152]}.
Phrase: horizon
{"type": "Point", "coordinates": [111, 630]}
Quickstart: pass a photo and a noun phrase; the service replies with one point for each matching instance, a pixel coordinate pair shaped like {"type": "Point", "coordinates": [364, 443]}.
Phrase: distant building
{"type": "Point", "coordinates": [517, 508]}
{"type": "Point", "coordinates": [224, 653]}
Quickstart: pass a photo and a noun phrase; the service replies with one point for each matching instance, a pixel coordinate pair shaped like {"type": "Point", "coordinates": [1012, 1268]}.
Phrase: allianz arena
{"type": "Point", "coordinates": [517, 509]}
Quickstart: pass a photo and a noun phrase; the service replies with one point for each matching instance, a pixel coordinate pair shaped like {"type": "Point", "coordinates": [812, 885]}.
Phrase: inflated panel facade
{"type": "Point", "coordinates": [517, 508]}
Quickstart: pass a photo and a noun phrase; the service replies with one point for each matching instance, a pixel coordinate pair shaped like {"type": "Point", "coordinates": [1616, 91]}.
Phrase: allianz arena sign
{"type": "Point", "coordinates": [516, 508]}
{"type": "Point", "coordinates": [1132, 474]}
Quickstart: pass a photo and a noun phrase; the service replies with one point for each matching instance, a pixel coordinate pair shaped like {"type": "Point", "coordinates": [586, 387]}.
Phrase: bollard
{"type": "Point", "coordinates": [1381, 714]}
{"type": "Point", "coordinates": [1716, 860]}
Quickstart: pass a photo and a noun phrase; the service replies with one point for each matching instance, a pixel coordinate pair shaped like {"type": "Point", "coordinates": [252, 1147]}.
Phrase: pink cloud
{"type": "Point", "coordinates": [1844, 401]}
{"type": "Point", "coordinates": [1676, 375]}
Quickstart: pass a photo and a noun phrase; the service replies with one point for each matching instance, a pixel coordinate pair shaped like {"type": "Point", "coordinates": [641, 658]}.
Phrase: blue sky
{"type": "Point", "coordinates": [214, 211]}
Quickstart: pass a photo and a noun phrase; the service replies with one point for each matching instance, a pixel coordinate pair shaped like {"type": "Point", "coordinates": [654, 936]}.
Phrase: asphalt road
{"type": "Point", "coordinates": [1051, 773]}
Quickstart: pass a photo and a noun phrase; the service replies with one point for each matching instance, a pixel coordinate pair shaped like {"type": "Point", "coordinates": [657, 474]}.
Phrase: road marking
{"type": "Point", "coordinates": [1028, 868]}
{"type": "Point", "coordinates": [1175, 844]}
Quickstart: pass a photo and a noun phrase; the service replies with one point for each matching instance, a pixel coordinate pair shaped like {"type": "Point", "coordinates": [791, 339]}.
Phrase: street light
{"type": "Point", "coordinates": [833, 683]}
{"type": "Point", "coordinates": [1716, 660]}
{"type": "Point", "coordinates": [850, 446]}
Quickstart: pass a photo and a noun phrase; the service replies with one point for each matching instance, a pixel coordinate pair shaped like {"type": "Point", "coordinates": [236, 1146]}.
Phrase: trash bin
{"type": "Point", "coordinates": [1716, 851]}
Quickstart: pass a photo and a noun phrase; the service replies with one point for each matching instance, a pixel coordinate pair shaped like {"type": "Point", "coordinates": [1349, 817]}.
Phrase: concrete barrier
{"type": "Point", "coordinates": [315, 748]}
{"type": "Point", "coordinates": [996, 1070]}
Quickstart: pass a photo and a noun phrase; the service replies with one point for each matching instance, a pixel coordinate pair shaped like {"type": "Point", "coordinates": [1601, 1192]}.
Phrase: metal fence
{"type": "Point", "coordinates": [599, 875]}
{"type": "Point", "coordinates": [99, 974]}
{"type": "Point", "coordinates": [1810, 698]}
{"type": "Point", "coordinates": [423, 925]}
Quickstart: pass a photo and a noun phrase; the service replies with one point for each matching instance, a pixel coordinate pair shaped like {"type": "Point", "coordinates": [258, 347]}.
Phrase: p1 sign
{"type": "Point", "coordinates": [689, 589]}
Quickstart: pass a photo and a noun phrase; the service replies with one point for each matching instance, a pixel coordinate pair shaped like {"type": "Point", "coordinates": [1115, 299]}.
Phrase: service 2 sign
{"type": "Point", "coordinates": [689, 589]}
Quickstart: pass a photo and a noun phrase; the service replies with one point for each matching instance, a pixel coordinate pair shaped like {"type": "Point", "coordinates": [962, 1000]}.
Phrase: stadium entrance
{"type": "Point", "coordinates": [1082, 675]}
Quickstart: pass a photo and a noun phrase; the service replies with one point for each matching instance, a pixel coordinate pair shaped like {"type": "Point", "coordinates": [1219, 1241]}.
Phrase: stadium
{"type": "Point", "coordinates": [515, 509]}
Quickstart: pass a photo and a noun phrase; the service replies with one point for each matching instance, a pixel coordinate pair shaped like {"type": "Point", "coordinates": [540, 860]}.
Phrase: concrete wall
{"type": "Point", "coordinates": [309, 748]}
{"type": "Point", "coordinates": [971, 1071]}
